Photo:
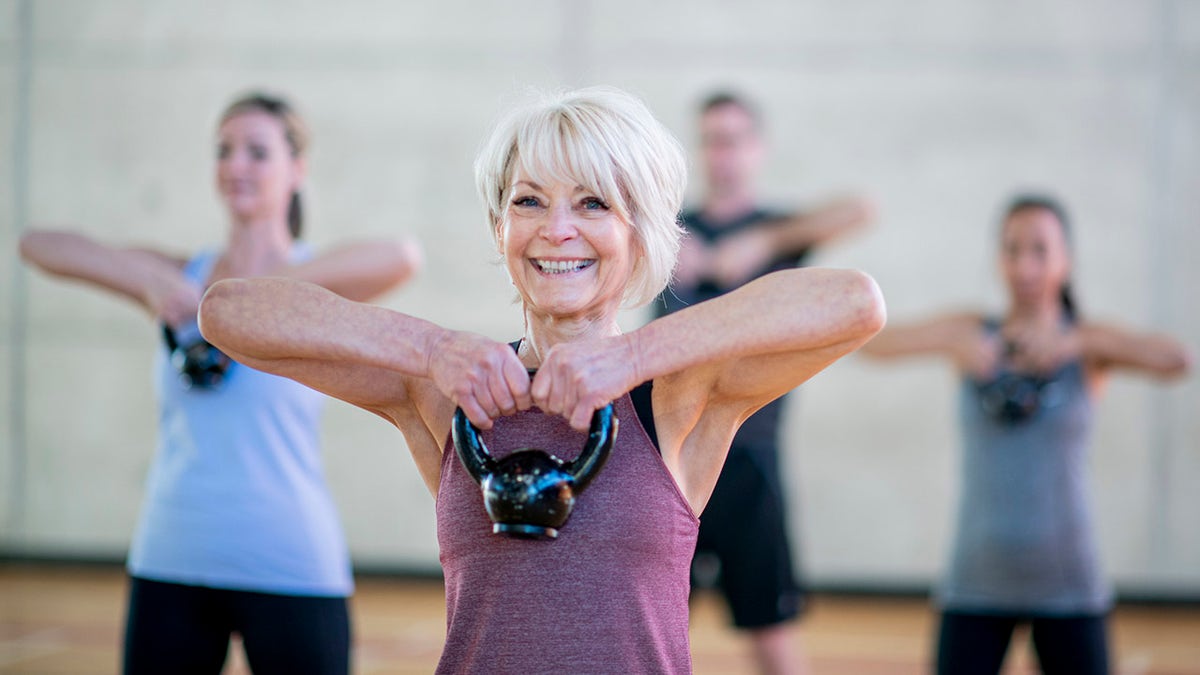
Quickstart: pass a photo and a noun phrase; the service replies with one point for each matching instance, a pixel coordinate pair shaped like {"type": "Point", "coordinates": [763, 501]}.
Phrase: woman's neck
{"type": "Point", "coordinates": [543, 332]}
{"type": "Point", "coordinates": [257, 247]}
{"type": "Point", "coordinates": [1043, 313]}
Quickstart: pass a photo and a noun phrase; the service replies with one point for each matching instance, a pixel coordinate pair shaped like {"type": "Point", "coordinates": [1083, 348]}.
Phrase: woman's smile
{"type": "Point", "coordinates": [559, 266]}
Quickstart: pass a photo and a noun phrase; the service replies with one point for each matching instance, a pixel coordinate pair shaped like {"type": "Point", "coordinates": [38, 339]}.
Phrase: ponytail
{"type": "Point", "coordinates": [1067, 296]}
{"type": "Point", "coordinates": [295, 216]}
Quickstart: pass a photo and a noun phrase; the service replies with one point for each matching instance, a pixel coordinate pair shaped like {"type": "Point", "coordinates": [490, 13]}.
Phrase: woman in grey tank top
{"type": "Point", "coordinates": [1024, 548]}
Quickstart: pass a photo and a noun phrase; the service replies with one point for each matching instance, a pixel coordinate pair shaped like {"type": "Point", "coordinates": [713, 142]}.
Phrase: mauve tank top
{"type": "Point", "coordinates": [609, 595]}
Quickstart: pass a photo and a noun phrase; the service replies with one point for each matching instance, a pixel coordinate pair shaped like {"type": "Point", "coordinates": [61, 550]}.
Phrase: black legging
{"type": "Point", "coordinates": [975, 644]}
{"type": "Point", "coordinates": [173, 628]}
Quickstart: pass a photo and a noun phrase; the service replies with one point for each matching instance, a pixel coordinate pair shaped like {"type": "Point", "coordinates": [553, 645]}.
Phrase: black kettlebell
{"type": "Point", "coordinates": [1011, 398]}
{"type": "Point", "coordinates": [530, 493]}
{"type": "Point", "coordinates": [200, 365]}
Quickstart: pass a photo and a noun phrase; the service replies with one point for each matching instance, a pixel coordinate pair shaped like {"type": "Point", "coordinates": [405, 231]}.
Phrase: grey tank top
{"type": "Point", "coordinates": [1024, 540]}
{"type": "Point", "coordinates": [609, 595]}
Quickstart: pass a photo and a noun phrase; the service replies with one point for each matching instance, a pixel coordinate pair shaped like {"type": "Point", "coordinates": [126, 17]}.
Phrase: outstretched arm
{"type": "Point", "coordinates": [152, 280]}
{"type": "Point", "coordinates": [958, 337]}
{"type": "Point", "coordinates": [715, 363]}
{"type": "Point", "coordinates": [1108, 346]}
{"type": "Point", "coordinates": [361, 270]}
{"type": "Point", "coordinates": [741, 255]}
{"type": "Point", "coordinates": [829, 221]}
{"type": "Point", "coordinates": [363, 354]}
{"type": "Point", "coordinates": [409, 371]}
{"type": "Point", "coordinates": [736, 352]}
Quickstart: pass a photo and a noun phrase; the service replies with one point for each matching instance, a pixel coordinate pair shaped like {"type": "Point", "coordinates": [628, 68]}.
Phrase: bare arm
{"type": "Point", "coordinates": [715, 363]}
{"type": "Point", "coordinates": [152, 280]}
{"type": "Point", "coordinates": [409, 371]}
{"type": "Point", "coordinates": [1108, 346]}
{"type": "Point", "coordinates": [832, 220]}
{"type": "Point", "coordinates": [742, 255]}
{"type": "Point", "coordinates": [356, 352]}
{"type": "Point", "coordinates": [361, 270]}
{"type": "Point", "coordinates": [957, 337]}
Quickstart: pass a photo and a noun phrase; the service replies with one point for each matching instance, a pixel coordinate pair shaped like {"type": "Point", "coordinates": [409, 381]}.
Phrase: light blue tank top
{"type": "Point", "coordinates": [236, 497]}
{"type": "Point", "coordinates": [1025, 542]}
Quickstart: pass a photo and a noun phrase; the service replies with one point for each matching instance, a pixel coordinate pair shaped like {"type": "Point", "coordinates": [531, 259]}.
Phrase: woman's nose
{"type": "Point", "coordinates": [559, 225]}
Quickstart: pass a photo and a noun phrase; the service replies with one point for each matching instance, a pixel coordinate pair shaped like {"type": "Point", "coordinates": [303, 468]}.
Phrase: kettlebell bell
{"type": "Point", "coordinates": [1011, 398]}
{"type": "Point", "coordinates": [530, 493]}
{"type": "Point", "coordinates": [200, 365]}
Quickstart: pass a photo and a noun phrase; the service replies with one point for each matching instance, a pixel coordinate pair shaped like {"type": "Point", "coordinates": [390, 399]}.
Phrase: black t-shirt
{"type": "Point", "coordinates": [760, 433]}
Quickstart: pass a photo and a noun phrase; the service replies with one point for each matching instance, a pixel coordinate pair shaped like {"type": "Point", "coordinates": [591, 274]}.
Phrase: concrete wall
{"type": "Point", "coordinates": [938, 109]}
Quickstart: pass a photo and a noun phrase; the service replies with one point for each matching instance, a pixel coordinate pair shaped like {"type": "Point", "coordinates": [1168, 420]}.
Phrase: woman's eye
{"type": "Point", "coordinates": [525, 201]}
{"type": "Point", "coordinates": [592, 203]}
{"type": "Point", "coordinates": [223, 151]}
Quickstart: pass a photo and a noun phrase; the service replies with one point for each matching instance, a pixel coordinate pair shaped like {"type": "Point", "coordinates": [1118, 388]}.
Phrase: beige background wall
{"type": "Point", "coordinates": [937, 109]}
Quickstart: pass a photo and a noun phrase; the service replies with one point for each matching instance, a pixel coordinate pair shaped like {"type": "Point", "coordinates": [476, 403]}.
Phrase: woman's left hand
{"type": "Point", "coordinates": [577, 378]}
{"type": "Point", "coordinates": [1041, 350]}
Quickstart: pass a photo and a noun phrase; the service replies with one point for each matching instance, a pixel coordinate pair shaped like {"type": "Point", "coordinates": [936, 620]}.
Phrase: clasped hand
{"type": "Point", "coordinates": [487, 380]}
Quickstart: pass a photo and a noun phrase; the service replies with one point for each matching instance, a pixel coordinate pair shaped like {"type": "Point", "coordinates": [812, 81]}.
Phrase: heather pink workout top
{"type": "Point", "coordinates": [609, 595]}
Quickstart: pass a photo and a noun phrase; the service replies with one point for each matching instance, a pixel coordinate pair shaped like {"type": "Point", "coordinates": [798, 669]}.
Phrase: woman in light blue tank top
{"type": "Point", "coordinates": [238, 531]}
{"type": "Point", "coordinates": [1024, 547]}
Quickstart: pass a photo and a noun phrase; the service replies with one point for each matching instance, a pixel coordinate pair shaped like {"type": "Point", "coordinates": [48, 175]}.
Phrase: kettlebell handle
{"type": "Point", "coordinates": [478, 461]}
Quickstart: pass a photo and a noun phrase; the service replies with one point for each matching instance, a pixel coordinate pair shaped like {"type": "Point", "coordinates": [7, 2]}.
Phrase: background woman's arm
{"type": "Point", "coordinates": [959, 337]}
{"type": "Point", "coordinates": [1109, 346]}
{"type": "Point", "coordinates": [361, 270]}
{"type": "Point", "coordinates": [150, 279]}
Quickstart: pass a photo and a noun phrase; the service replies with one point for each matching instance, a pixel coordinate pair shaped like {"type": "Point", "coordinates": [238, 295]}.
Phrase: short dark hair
{"type": "Point", "coordinates": [723, 98]}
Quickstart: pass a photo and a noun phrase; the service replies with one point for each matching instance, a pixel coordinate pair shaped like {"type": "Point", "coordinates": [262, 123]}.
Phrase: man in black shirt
{"type": "Point", "coordinates": [733, 240]}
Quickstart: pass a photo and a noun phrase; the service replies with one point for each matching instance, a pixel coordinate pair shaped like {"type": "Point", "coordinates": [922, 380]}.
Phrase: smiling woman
{"type": "Point", "coordinates": [581, 192]}
{"type": "Point", "coordinates": [238, 532]}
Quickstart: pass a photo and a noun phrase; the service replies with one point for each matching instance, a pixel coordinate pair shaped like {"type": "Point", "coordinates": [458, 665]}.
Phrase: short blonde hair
{"type": "Point", "coordinates": [609, 142]}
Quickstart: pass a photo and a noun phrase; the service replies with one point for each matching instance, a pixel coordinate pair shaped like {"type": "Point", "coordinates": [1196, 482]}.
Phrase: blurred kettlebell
{"type": "Point", "coordinates": [530, 493]}
{"type": "Point", "coordinates": [200, 365]}
{"type": "Point", "coordinates": [1011, 398]}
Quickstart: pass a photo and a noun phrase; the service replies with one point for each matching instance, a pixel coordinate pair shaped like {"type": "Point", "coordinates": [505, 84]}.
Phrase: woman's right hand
{"type": "Point", "coordinates": [483, 377]}
{"type": "Point", "coordinates": [173, 299]}
{"type": "Point", "coordinates": [980, 355]}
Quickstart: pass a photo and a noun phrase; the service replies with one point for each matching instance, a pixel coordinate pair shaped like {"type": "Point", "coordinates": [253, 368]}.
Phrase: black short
{"type": "Point", "coordinates": [173, 628]}
{"type": "Point", "coordinates": [743, 534]}
{"type": "Point", "coordinates": [974, 643]}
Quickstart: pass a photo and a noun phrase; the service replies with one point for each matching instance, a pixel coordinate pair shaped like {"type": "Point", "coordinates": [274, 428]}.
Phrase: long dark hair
{"type": "Point", "coordinates": [294, 130]}
{"type": "Point", "coordinates": [1044, 202]}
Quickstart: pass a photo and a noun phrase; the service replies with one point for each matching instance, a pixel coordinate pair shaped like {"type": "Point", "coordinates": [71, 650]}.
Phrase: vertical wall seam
{"type": "Point", "coordinates": [13, 533]}
{"type": "Point", "coordinates": [1161, 418]}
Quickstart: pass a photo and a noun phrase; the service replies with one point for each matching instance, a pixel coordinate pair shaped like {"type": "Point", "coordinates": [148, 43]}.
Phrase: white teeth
{"type": "Point", "coordinates": [561, 266]}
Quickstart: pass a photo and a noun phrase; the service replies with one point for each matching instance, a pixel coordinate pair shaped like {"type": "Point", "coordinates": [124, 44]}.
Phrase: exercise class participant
{"type": "Point", "coordinates": [1024, 549]}
{"type": "Point", "coordinates": [581, 192]}
{"type": "Point", "coordinates": [734, 239]}
{"type": "Point", "coordinates": [237, 532]}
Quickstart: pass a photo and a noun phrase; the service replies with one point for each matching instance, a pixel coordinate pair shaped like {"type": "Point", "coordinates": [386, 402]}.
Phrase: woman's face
{"type": "Point", "coordinates": [1034, 257]}
{"type": "Point", "coordinates": [256, 169]}
{"type": "Point", "coordinates": [568, 253]}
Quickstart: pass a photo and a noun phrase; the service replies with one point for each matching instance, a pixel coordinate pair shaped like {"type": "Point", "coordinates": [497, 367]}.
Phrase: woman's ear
{"type": "Point", "coordinates": [499, 230]}
{"type": "Point", "coordinates": [299, 173]}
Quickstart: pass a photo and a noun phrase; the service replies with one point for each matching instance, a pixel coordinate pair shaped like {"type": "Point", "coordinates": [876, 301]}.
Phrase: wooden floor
{"type": "Point", "coordinates": [67, 620]}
